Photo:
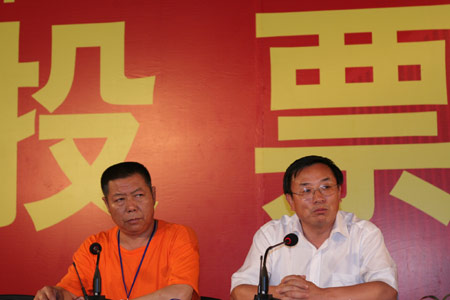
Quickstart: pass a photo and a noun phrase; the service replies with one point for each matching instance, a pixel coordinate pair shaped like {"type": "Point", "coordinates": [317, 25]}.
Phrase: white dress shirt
{"type": "Point", "coordinates": [354, 253]}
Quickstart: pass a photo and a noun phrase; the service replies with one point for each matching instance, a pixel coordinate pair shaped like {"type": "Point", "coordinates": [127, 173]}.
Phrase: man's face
{"type": "Point", "coordinates": [131, 205]}
{"type": "Point", "coordinates": [319, 211]}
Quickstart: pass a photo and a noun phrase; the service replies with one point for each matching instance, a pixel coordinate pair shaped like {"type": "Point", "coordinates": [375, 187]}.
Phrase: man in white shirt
{"type": "Point", "coordinates": [338, 256]}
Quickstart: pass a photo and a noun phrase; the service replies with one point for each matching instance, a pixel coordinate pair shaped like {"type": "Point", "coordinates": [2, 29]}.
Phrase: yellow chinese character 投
{"type": "Point", "coordinates": [119, 129]}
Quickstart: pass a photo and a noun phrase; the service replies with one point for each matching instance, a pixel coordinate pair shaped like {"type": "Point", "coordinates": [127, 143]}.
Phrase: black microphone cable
{"type": "Point", "coordinates": [85, 295]}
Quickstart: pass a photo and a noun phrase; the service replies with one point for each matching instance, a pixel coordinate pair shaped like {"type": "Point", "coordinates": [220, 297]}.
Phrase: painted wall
{"type": "Point", "coordinates": [217, 99]}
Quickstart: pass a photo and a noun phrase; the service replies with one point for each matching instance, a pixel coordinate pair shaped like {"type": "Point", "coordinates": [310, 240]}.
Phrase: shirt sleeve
{"type": "Point", "coordinates": [184, 262]}
{"type": "Point", "coordinates": [85, 263]}
{"type": "Point", "coordinates": [249, 272]}
{"type": "Point", "coordinates": [377, 264]}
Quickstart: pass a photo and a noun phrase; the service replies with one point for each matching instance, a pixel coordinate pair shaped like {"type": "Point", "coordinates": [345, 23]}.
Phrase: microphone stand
{"type": "Point", "coordinates": [95, 249]}
{"type": "Point", "coordinates": [97, 283]}
{"type": "Point", "coordinates": [263, 287]}
{"type": "Point", "coordinates": [96, 295]}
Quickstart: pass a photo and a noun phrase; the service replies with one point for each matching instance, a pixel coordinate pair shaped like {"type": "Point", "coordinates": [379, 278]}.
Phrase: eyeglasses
{"type": "Point", "coordinates": [325, 190]}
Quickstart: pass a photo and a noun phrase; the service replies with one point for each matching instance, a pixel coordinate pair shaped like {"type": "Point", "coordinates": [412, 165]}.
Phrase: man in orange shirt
{"type": "Point", "coordinates": [141, 258]}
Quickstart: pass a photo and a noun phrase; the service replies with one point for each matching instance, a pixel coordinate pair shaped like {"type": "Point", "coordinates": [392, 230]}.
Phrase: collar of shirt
{"type": "Point", "coordinates": [339, 228]}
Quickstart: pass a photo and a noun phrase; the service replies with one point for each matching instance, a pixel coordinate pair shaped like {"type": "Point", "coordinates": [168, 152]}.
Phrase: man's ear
{"type": "Point", "coordinates": [340, 193]}
{"type": "Point", "coordinates": [290, 201]}
{"type": "Point", "coordinates": [106, 202]}
{"type": "Point", "coordinates": [154, 193]}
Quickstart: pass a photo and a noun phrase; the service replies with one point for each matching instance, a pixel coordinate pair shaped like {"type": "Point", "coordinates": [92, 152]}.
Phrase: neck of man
{"type": "Point", "coordinates": [317, 235]}
{"type": "Point", "coordinates": [131, 241]}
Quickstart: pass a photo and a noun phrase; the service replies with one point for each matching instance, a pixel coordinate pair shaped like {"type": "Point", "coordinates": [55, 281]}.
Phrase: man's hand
{"type": "Point", "coordinates": [292, 287]}
{"type": "Point", "coordinates": [174, 291]}
{"type": "Point", "coordinates": [297, 287]}
{"type": "Point", "coordinates": [53, 293]}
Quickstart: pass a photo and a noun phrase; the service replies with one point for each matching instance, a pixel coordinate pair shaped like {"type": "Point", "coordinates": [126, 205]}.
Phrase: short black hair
{"type": "Point", "coordinates": [307, 161]}
{"type": "Point", "coordinates": [123, 170]}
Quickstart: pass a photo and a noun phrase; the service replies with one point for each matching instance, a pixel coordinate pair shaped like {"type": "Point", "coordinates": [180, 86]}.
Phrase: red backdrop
{"type": "Point", "coordinates": [209, 113]}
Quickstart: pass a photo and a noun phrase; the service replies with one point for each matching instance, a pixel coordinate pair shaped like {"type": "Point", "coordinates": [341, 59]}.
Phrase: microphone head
{"type": "Point", "coordinates": [95, 248]}
{"type": "Point", "coordinates": [290, 240]}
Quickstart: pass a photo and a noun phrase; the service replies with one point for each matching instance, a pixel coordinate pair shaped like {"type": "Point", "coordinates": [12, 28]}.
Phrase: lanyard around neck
{"type": "Point", "coordinates": [128, 293]}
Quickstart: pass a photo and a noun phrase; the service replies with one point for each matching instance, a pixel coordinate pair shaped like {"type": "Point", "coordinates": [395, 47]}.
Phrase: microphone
{"type": "Point", "coordinates": [95, 249]}
{"type": "Point", "coordinates": [290, 240]}
{"type": "Point", "coordinates": [263, 288]}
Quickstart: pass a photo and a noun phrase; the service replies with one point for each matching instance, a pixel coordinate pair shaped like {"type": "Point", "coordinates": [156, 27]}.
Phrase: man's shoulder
{"type": "Point", "coordinates": [286, 224]}
{"type": "Point", "coordinates": [103, 236]}
{"type": "Point", "coordinates": [354, 223]}
{"type": "Point", "coordinates": [169, 226]}
{"type": "Point", "coordinates": [167, 229]}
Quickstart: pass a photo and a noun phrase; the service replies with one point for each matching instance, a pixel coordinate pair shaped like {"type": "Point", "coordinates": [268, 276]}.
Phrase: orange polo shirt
{"type": "Point", "coordinates": [172, 258]}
